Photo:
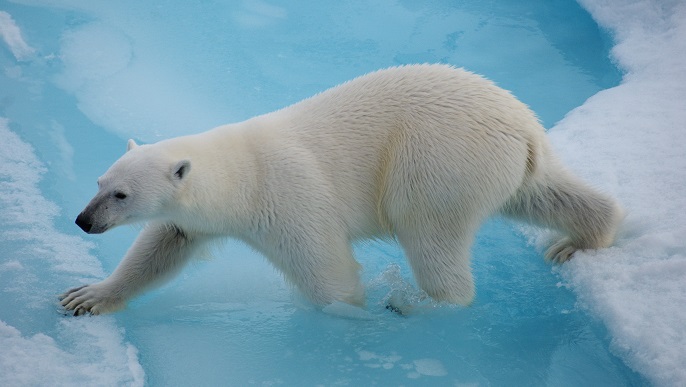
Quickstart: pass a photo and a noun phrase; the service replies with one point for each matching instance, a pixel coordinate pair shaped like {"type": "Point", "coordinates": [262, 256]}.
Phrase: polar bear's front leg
{"type": "Point", "coordinates": [321, 266]}
{"type": "Point", "coordinates": [159, 252]}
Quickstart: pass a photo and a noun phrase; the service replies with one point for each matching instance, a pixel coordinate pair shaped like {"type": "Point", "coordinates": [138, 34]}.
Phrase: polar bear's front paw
{"type": "Point", "coordinates": [561, 251]}
{"type": "Point", "coordinates": [93, 299]}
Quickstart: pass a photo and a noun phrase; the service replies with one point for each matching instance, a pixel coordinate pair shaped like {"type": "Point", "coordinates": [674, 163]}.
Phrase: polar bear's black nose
{"type": "Point", "coordinates": [83, 222]}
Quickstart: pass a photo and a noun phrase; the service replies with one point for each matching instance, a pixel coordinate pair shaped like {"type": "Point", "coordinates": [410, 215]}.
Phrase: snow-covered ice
{"type": "Point", "coordinates": [70, 351]}
{"type": "Point", "coordinates": [630, 140]}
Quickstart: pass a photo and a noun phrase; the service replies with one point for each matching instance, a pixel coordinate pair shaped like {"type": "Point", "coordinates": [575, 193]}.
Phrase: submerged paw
{"type": "Point", "coordinates": [395, 309]}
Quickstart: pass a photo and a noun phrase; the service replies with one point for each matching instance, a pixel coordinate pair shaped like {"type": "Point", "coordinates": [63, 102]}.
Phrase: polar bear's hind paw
{"type": "Point", "coordinates": [561, 251]}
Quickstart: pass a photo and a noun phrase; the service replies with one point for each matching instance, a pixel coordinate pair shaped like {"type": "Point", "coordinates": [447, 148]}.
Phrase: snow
{"type": "Point", "coordinates": [628, 140]}
{"type": "Point", "coordinates": [39, 360]}
{"type": "Point", "coordinates": [11, 34]}
{"type": "Point", "coordinates": [73, 351]}
{"type": "Point", "coordinates": [631, 142]}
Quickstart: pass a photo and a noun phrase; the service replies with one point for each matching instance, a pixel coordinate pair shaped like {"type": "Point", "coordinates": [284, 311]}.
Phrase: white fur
{"type": "Point", "coordinates": [423, 153]}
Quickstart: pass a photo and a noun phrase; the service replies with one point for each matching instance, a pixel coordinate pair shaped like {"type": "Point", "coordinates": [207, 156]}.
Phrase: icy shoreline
{"type": "Point", "coordinates": [629, 141]}
{"type": "Point", "coordinates": [72, 350]}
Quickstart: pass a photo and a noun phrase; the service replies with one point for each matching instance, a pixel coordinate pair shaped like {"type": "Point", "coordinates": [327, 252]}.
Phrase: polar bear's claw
{"type": "Point", "coordinates": [90, 299]}
{"type": "Point", "coordinates": [561, 251]}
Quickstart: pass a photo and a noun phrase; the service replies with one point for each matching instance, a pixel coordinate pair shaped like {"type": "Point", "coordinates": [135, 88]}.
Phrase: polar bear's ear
{"type": "Point", "coordinates": [130, 145]}
{"type": "Point", "coordinates": [180, 170]}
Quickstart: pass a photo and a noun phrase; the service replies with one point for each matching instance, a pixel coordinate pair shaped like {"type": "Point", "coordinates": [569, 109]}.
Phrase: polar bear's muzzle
{"type": "Point", "coordinates": [85, 222]}
{"type": "Point", "coordinates": [94, 219]}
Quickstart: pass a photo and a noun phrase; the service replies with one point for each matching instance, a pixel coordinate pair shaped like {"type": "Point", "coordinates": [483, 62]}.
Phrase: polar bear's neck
{"type": "Point", "coordinates": [223, 172]}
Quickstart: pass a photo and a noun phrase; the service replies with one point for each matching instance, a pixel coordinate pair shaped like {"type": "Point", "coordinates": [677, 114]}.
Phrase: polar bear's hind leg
{"type": "Point", "coordinates": [562, 202]}
{"type": "Point", "coordinates": [440, 260]}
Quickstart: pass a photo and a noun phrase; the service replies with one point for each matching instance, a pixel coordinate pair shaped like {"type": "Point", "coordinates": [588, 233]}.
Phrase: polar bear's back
{"type": "Point", "coordinates": [418, 139]}
{"type": "Point", "coordinates": [442, 92]}
{"type": "Point", "coordinates": [421, 106]}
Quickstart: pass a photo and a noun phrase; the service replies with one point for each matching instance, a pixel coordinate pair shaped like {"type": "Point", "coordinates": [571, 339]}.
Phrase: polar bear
{"type": "Point", "coordinates": [421, 153]}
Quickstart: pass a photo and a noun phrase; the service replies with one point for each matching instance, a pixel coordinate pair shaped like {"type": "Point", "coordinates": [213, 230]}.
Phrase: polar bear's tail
{"type": "Point", "coordinates": [563, 202]}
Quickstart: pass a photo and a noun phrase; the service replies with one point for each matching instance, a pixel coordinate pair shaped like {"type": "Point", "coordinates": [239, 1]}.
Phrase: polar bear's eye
{"type": "Point", "coordinates": [120, 195]}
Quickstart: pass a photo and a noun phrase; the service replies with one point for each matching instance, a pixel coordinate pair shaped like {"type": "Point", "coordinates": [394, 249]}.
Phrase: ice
{"type": "Point", "coordinates": [150, 70]}
{"type": "Point", "coordinates": [11, 34]}
{"type": "Point", "coordinates": [100, 66]}
{"type": "Point", "coordinates": [178, 99]}
{"type": "Point", "coordinates": [64, 352]}
{"type": "Point", "coordinates": [342, 309]}
{"type": "Point", "coordinates": [256, 14]}
{"type": "Point", "coordinates": [40, 360]}
{"type": "Point", "coordinates": [429, 367]}
{"type": "Point", "coordinates": [630, 141]}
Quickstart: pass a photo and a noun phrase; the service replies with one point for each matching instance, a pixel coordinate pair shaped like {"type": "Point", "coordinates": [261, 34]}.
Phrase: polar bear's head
{"type": "Point", "coordinates": [140, 186]}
